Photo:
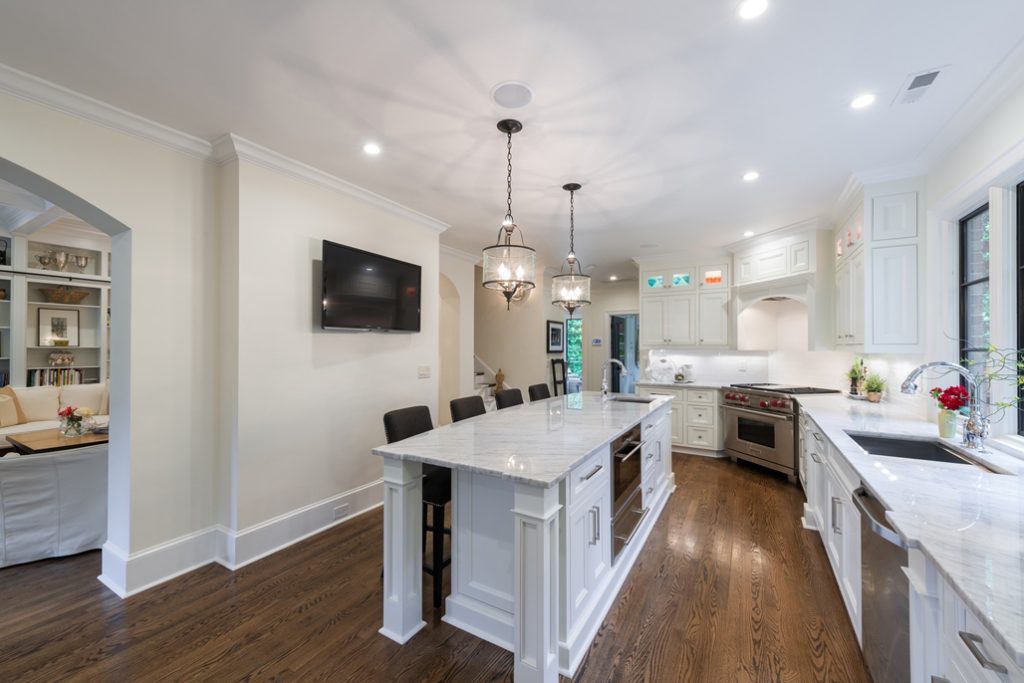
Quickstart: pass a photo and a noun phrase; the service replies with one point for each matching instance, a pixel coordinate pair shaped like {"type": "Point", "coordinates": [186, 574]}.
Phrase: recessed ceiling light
{"type": "Point", "coordinates": [862, 101]}
{"type": "Point", "coordinates": [512, 94]}
{"type": "Point", "coordinates": [751, 176]}
{"type": "Point", "coordinates": [613, 278]}
{"type": "Point", "coordinates": [748, 233]}
{"type": "Point", "coordinates": [371, 148]}
{"type": "Point", "coordinates": [751, 9]}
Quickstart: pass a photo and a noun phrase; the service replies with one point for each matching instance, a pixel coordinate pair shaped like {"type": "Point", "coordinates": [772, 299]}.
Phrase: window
{"type": "Point", "coordinates": [574, 346]}
{"type": "Point", "coordinates": [1020, 302]}
{"type": "Point", "coordinates": [974, 291]}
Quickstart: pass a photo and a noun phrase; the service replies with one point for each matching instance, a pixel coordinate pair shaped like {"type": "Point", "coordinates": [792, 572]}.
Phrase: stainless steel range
{"type": "Point", "coordinates": [760, 424]}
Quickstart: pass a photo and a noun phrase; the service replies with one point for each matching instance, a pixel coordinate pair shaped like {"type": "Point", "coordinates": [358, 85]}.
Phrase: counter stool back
{"type": "Point", "coordinates": [508, 398]}
{"type": "Point", "coordinates": [467, 407]}
{"type": "Point", "coordinates": [538, 392]}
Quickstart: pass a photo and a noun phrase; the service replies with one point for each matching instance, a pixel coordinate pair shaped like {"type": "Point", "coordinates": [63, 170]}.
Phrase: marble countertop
{"type": "Point", "coordinates": [536, 443]}
{"type": "Point", "coordinates": [969, 522]}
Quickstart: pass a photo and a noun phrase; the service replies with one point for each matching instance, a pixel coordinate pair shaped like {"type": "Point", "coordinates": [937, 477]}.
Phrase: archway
{"type": "Point", "coordinates": [119, 455]}
{"type": "Point", "coordinates": [449, 351]}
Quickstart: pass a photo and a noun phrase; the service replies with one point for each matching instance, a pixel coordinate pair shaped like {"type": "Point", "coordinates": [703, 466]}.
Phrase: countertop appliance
{"type": "Point", "coordinates": [885, 594]}
{"type": "Point", "coordinates": [627, 503]}
{"type": "Point", "coordinates": [760, 424]}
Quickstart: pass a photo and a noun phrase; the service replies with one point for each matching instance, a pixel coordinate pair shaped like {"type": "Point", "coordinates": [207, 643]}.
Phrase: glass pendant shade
{"type": "Point", "coordinates": [509, 268]}
{"type": "Point", "coordinates": [570, 291]}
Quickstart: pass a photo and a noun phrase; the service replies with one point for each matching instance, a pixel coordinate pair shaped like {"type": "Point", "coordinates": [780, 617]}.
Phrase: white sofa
{"type": "Point", "coordinates": [40, 406]}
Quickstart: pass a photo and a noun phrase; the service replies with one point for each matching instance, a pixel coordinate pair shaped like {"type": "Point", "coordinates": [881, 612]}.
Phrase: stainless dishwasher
{"type": "Point", "coordinates": [885, 594]}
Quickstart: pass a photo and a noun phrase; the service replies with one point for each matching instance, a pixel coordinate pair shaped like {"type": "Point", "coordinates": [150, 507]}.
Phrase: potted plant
{"type": "Point", "coordinates": [874, 385]}
{"type": "Point", "coordinates": [950, 400]}
{"type": "Point", "coordinates": [855, 375]}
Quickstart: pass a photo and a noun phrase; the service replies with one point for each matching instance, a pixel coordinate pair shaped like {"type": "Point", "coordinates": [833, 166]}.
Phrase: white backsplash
{"type": "Point", "coordinates": [808, 368]}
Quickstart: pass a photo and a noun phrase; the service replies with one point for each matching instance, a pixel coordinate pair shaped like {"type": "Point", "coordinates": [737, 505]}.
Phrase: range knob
{"type": "Point", "coordinates": [728, 397]}
{"type": "Point", "coordinates": [776, 403]}
{"type": "Point", "coordinates": [764, 404]}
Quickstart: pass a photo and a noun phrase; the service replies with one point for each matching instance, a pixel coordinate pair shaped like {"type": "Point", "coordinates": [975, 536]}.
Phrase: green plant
{"type": "Point", "coordinates": [856, 370]}
{"type": "Point", "coordinates": [874, 383]}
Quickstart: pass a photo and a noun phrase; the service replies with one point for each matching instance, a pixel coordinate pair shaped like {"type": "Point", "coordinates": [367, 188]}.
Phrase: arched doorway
{"type": "Point", "coordinates": [449, 351]}
{"type": "Point", "coordinates": [118, 459]}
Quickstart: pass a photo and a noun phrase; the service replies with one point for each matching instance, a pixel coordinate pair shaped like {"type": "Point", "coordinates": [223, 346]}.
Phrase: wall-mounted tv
{"type": "Point", "coordinates": [367, 291]}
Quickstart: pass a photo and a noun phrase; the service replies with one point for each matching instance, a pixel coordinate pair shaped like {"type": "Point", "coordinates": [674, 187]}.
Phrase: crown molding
{"type": "Point", "coordinates": [229, 147]}
{"type": "Point", "coordinates": [460, 255]}
{"type": "Point", "coordinates": [28, 87]}
{"type": "Point", "coordinates": [885, 174]}
{"type": "Point", "coordinates": [806, 225]}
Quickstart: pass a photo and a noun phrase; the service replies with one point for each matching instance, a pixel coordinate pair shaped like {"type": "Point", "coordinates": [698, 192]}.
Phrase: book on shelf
{"type": "Point", "coordinates": [56, 377]}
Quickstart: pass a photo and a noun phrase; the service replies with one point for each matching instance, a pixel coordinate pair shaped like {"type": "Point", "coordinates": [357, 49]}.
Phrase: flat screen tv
{"type": "Point", "coordinates": [366, 291]}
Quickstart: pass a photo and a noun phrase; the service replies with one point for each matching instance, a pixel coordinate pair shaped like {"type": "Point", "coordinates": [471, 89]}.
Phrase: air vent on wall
{"type": "Point", "coordinates": [916, 86]}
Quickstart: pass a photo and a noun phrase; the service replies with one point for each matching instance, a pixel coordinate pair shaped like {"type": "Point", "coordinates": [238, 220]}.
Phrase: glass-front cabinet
{"type": "Point", "coordinates": [672, 279]}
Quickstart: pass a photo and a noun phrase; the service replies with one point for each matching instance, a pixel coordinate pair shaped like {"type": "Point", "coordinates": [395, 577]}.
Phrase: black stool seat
{"type": "Point", "coordinates": [538, 392]}
{"type": "Point", "coordinates": [466, 407]}
{"type": "Point", "coordinates": [508, 398]}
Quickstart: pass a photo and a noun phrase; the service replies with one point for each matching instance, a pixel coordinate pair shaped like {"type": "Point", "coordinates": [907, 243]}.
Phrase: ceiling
{"type": "Point", "coordinates": [657, 109]}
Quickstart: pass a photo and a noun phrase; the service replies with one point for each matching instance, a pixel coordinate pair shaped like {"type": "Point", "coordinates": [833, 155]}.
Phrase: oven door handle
{"type": "Point", "coordinates": [770, 416]}
{"type": "Point", "coordinates": [624, 457]}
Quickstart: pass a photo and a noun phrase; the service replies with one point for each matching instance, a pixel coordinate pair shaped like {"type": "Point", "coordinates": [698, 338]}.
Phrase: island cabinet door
{"type": "Point", "coordinates": [599, 547]}
{"type": "Point", "coordinates": [589, 543]}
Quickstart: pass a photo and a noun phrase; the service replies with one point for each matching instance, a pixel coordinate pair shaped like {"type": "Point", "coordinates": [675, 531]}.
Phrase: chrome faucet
{"type": "Point", "coordinates": [604, 373]}
{"type": "Point", "coordinates": [976, 428]}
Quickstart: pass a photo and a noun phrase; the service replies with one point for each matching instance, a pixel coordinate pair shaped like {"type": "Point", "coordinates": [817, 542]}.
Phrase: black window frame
{"type": "Point", "coordinates": [965, 285]}
{"type": "Point", "coordinates": [1020, 301]}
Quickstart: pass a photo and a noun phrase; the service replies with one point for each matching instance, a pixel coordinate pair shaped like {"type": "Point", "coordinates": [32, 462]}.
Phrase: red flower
{"type": "Point", "coordinates": [951, 398]}
{"type": "Point", "coordinates": [66, 411]}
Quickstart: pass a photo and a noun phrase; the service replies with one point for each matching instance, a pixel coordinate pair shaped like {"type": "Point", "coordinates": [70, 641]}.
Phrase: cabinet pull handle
{"type": "Point", "coordinates": [594, 471]}
{"type": "Point", "coordinates": [595, 525]}
{"type": "Point", "coordinates": [817, 436]}
{"type": "Point", "coordinates": [939, 679]}
{"type": "Point", "coordinates": [659, 451]}
{"type": "Point", "coordinates": [815, 458]}
{"type": "Point", "coordinates": [974, 643]}
{"type": "Point", "coordinates": [835, 527]}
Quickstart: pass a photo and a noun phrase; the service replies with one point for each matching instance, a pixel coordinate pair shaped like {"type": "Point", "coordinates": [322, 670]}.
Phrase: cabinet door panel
{"type": "Point", "coordinates": [857, 292]}
{"type": "Point", "coordinates": [771, 263]}
{"type": "Point", "coordinates": [714, 319]}
{"type": "Point", "coordinates": [745, 269]}
{"type": "Point", "coordinates": [598, 555]}
{"type": "Point", "coordinates": [680, 319]}
{"type": "Point", "coordinates": [652, 321]}
{"type": "Point", "coordinates": [800, 257]}
{"type": "Point", "coordinates": [894, 217]}
{"type": "Point", "coordinates": [714, 277]}
{"type": "Point", "coordinates": [894, 295]}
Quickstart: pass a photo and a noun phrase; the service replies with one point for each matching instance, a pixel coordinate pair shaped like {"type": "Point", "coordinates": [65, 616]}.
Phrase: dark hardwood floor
{"type": "Point", "coordinates": [729, 588]}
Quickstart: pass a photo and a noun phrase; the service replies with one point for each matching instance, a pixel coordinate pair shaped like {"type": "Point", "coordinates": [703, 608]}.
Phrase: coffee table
{"type": "Point", "coordinates": [48, 440]}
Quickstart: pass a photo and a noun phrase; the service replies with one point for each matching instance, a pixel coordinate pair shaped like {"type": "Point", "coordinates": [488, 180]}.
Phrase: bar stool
{"type": "Point", "coordinates": [508, 398]}
{"type": "Point", "coordinates": [556, 365]}
{"type": "Point", "coordinates": [466, 407]}
{"type": "Point", "coordinates": [437, 488]}
{"type": "Point", "coordinates": [538, 392]}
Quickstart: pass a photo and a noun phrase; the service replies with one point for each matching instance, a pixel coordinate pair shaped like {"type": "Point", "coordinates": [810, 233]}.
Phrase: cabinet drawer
{"type": "Point", "coordinates": [589, 475]}
{"type": "Point", "coordinates": [700, 437]}
{"type": "Point", "coordinates": [697, 415]}
{"type": "Point", "coordinates": [703, 396]}
{"type": "Point", "coordinates": [977, 651]}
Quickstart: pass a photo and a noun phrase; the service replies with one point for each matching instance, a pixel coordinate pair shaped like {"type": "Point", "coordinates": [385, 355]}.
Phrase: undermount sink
{"type": "Point", "coordinates": [911, 449]}
{"type": "Point", "coordinates": [631, 398]}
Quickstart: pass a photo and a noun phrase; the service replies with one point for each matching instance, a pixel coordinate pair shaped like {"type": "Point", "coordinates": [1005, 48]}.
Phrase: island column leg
{"type": "Point", "coordinates": [403, 552]}
{"type": "Point", "coordinates": [536, 584]}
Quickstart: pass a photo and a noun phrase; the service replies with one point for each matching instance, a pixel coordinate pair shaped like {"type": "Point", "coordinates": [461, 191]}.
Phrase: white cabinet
{"type": "Point", "coordinates": [588, 540]}
{"type": "Point", "coordinates": [894, 301]}
{"type": "Point", "coordinates": [694, 423]}
{"type": "Point", "coordinates": [665, 280]}
{"type": "Point", "coordinates": [849, 308]}
{"type": "Point", "coordinates": [668, 320]}
{"type": "Point", "coordinates": [816, 489]}
{"type": "Point", "coordinates": [713, 324]}
{"type": "Point", "coordinates": [894, 217]}
{"type": "Point", "coordinates": [714, 277]}
{"type": "Point", "coordinates": [782, 256]}
{"type": "Point", "coordinates": [800, 257]}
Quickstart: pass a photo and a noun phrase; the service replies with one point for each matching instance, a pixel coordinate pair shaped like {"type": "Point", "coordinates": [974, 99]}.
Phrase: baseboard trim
{"type": "Point", "coordinates": [260, 540]}
{"type": "Point", "coordinates": [126, 574]}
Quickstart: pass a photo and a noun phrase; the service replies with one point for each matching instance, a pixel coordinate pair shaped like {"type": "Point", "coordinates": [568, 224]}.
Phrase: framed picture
{"type": "Point", "coordinates": [58, 327]}
{"type": "Point", "coordinates": [556, 336]}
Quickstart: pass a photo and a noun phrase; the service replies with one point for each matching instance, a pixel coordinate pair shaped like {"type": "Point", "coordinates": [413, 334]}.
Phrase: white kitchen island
{"type": "Point", "coordinates": [535, 563]}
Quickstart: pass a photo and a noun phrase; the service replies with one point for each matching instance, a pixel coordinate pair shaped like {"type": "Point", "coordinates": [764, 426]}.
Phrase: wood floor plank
{"type": "Point", "coordinates": [729, 587]}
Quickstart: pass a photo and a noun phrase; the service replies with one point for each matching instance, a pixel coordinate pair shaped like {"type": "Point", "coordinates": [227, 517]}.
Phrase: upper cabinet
{"type": "Point", "coordinates": [878, 270]}
{"type": "Point", "coordinates": [685, 305]}
{"type": "Point", "coordinates": [766, 260]}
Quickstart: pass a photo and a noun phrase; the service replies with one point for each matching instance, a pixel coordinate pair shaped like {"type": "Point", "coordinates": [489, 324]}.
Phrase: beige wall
{"type": "Point", "coordinates": [165, 446]}
{"type": "Point", "coordinates": [514, 339]}
{"type": "Point", "coordinates": [449, 349]}
{"type": "Point", "coordinates": [606, 298]}
{"type": "Point", "coordinates": [458, 268]}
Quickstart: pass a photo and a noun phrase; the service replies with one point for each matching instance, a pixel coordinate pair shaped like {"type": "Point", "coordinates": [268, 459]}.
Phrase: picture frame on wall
{"type": "Point", "coordinates": [556, 336]}
{"type": "Point", "coordinates": [58, 327]}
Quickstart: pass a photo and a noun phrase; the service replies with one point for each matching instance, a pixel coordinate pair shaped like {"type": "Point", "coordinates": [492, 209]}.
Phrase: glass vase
{"type": "Point", "coordinates": [947, 424]}
{"type": "Point", "coordinates": [71, 428]}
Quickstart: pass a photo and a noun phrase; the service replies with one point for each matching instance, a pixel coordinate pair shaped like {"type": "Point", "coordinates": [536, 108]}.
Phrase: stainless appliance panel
{"type": "Point", "coordinates": [626, 523]}
{"type": "Point", "coordinates": [885, 594]}
{"type": "Point", "coordinates": [764, 437]}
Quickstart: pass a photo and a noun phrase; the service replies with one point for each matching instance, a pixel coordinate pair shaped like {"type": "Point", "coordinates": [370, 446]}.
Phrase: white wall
{"type": "Point", "coordinates": [164, 407]}
{"type": "Point", "coordinates": [310, 401]}
{"type": "Point", "coordinates": [458, 267]}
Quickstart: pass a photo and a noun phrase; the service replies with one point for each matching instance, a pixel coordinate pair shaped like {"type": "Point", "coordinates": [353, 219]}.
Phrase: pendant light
{"type": "Point", "coordinates": [571, 290]}
{"type": "Point", "coordinates": [509, 268]}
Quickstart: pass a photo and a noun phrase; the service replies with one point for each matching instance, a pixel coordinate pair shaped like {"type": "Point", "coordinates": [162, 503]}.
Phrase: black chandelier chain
{"type": "Point", "coordinates": [572, 223]}
{"type": "Point", "coordinates": [508, 181]}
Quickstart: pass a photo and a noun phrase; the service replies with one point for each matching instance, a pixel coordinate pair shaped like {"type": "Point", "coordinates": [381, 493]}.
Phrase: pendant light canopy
{"type": "Point", "coordinates": [509, 268]}
{"type": "Point", "coordinates": [571, 290]}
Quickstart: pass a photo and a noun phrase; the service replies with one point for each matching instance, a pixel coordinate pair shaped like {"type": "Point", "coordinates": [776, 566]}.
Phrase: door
{"type": "Point", "coordinates": [625, 342]}
{"type": "Point", "coordinates": [714, 319]}
{"type": "Point", "coordinates": [680, 319]}
{"type": "Point", "coordinates": [652, 321]}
